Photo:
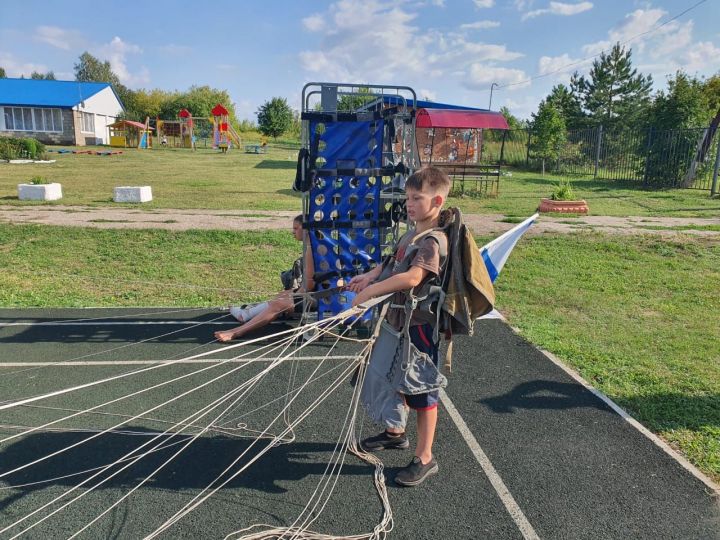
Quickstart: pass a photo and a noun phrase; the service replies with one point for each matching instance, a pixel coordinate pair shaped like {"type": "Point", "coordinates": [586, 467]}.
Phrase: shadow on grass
{"type": "Point", "coordinates": [276, 164]}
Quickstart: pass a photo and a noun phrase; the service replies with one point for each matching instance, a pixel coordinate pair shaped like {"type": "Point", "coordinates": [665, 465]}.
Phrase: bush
{"type": "Point", "coordinates": [28, 148]}
{"type": "Point", "coordinates": [39, 180]}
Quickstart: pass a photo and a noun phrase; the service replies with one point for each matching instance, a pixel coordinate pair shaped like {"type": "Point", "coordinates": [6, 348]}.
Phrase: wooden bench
{"type": "Point", "coordinates": [473, 178]}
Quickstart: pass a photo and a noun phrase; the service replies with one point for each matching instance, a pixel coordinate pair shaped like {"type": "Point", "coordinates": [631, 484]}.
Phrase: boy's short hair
{"type": "Point", "coordinates": [432, 179]}
{"type": "Point", "coordinates": [298, 219]}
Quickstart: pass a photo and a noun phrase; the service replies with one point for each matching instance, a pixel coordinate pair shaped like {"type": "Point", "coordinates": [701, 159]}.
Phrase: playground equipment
{"type": "Point", "coordinates": [130, 134]}
{"type": "Point", "coordinates": [181, 133]}
{"type": "Point", "coordinates": [223, 132]}
{"type": "Point", "coordinates": [352, 171]}
{"type": "Point", "coordinates": [454, 140]}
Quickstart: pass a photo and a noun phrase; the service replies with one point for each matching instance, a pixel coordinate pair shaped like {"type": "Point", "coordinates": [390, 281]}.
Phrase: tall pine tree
{"type": "Point", "coordinates": [615, 94]}
{"type": "Point", "coordinates": [568, 105]}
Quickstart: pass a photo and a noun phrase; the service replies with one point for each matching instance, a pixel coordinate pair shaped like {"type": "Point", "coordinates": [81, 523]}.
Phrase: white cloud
{"type": "Point", "coordinates": [635, 23]}
{"type": "Point", "coordinates": [479, 25]}
{"type": "Point", "coordinates": [15, 68]}
{"type": "Point", "coordinates": [551, 64]}
{"type": "Point", "coordinates": [523, 5]}
{"type": "Point", "coordinates": [481, 76]}
{"type": "Point", "coordinates": [659, 50]}
{"type": "Point", "coordinates": [59, 37]}
{"type": "Point", "coordinates": [559, 8]}
{"type": "Point", "coordinates": [428, 95]}
{"type": "Point", "coordinates": [375, 41]}
{"type": "Point", "coordinates": [702, 56]}
{"type": "Point", "coordinates": [484, 3]}
{"type": "Point", "coordinates": [116, 52]}
{"type": "Point", "coordinates": [520, 108]}
{"type": "Point", "coordinates": [313, 23]}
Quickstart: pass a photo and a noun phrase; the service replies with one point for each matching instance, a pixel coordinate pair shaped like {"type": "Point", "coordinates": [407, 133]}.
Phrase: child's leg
{"type": "Point", "coordinates": [281, 304]}
{"type": "Point", "coordinates": [426, 423]}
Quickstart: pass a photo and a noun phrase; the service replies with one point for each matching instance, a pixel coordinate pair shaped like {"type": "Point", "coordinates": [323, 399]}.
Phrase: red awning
{"type": "Point", "coordinates": [460, 118]}
{"type": "Point", "coordinates": [125, 123]}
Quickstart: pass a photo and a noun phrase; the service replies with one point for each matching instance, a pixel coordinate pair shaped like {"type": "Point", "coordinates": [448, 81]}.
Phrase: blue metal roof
{"type": "Point", "coordinates": [44, 93]}
{"type": "Point", "coordinates": [420, 104]}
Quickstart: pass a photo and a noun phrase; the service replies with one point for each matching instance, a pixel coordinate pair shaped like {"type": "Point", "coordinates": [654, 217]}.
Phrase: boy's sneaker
{"type": "Point", "coordinates": [416, 473]}
{"type": "Point", "coordinates": [384, 441]}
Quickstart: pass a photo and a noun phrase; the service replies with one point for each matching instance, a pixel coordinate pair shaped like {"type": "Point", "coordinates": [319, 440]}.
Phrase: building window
{"type": "Point", "coordinates": [28, 119]}
{"type": "Point", "coordinates": [88, 122]}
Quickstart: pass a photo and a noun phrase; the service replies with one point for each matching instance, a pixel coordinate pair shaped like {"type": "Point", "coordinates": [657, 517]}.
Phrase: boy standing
{"type": "Point", "coordinates": [409, 279]}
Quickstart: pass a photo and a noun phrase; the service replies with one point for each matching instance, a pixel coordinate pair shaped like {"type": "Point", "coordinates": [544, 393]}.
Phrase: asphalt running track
{"type": "Point", "coordinates": [525, 451]}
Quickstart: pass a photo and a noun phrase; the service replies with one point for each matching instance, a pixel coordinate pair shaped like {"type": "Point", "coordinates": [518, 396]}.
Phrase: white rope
{"type": "Point", "coordinates": [207, 492]}
{"type": "Point", "coordinates": [105, 351]}
{"type": "Point", "coordinates": [304, 328]}
{"type": "Point", "coordinates": [246, 385]}
{"type": "Point", "coordinates": [209, 408]}
{"type": "Point", "coordinates": [138, 392]}
{"type": "Point", "coordinates": [193, 439]}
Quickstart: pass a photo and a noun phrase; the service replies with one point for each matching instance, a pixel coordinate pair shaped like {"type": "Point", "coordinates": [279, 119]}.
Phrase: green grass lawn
{"type": "Point", "coordinates": [637, 316]}
{"type": "Point", "coordinates": [206, 178]}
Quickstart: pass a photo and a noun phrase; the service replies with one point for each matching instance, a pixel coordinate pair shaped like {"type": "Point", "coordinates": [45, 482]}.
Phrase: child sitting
{"type": "Point", "coordinates": [264, 313]}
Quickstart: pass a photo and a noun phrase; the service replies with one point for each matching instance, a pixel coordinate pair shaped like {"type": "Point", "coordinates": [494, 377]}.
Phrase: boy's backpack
{"type": "Point", "coordinates": [469, 291]}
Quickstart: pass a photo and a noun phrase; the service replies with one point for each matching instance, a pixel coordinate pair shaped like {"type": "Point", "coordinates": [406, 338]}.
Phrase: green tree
{"type": "Point", "coordinates": [354, 102]}
{"type": "Point", "coordinates": [91, 69]}
{"type": "Point", "coordinates": [50, 76]}
{"type": "Point", "coordinates": [548, 133]}
{"type": "Point", "coordinates": [513, 121]}
{"type": "Point", "coordinates": [274, 117]}
{"type": "Point", "coordinates": [684, 104]}
{"type": "Point", "coordinates": [143, 103]}
{"type": "Point", "coordinates": [2, 73]}
{"type": "Point", "coordinates": [615, 94]}
{"type": "Point", "coordinates": [568, 105]}
{"type": "Point", "coordinates": [199, 100]}
{"type": "Point", "coordinates": [711, 89]}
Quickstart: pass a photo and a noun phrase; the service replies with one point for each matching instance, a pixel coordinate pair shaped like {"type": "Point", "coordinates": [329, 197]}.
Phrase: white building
{"type": "Point", "coordinates": [58, 112]}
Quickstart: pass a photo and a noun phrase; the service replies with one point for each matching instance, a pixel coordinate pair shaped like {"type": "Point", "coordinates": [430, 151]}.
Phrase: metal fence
{"type": "Point", "coordinates": [654, 158]}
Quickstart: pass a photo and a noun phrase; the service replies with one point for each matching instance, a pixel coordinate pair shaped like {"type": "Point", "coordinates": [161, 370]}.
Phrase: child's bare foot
{"type": "Point", "coordinates": [223, 336]}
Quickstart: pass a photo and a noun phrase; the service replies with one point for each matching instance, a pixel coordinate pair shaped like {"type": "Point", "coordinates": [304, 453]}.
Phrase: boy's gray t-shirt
{"type": "Point", "coordinates": [428, 257]}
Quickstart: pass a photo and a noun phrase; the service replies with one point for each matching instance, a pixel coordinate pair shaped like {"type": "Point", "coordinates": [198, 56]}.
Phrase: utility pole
{"type": "Point", "coordinates": [493, 85]}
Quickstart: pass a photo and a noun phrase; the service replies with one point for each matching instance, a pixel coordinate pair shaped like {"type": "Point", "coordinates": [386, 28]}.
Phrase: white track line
{"type": "Point", "coordinates": [526, 529]}
{"type": "Point", "coordinates": [179, 362]}
{"type": "Point", "coordinates": [665, 447]}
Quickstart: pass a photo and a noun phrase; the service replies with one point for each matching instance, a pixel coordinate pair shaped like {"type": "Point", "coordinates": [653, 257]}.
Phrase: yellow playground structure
{"type": "Point", "coordinates": [130, 134]}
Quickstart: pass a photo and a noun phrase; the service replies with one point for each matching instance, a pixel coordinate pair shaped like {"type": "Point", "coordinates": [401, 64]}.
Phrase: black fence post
{"type": "Point", "coordinates": [647, 155]}
{"type": "Point", "coordinates": [714, 188]}
{"type": "Point", "coordinates": [527, 153]}
{"type": "Point", "coordinates": [597, 150]}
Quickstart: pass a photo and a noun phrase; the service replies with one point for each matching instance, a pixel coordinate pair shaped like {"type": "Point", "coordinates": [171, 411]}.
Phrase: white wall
{"type": "Point", "coordinates": [106, 107]}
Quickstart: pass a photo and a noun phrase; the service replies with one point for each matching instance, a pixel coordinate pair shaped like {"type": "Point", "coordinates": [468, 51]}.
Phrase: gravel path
{"type": "Point", "coordinates": [133, 218]}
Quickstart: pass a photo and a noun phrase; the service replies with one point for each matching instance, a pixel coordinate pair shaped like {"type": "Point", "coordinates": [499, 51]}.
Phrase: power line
{"type": "Point", "coordinates": [563, 68]}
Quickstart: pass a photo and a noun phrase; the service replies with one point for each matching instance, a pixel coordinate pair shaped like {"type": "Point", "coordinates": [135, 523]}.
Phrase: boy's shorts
{"type": "Point", "coordinates": [421, 337]}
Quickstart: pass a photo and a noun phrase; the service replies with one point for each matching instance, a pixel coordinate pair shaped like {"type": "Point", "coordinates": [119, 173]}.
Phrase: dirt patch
{"type": "Point", "coordinates": [179, 220]}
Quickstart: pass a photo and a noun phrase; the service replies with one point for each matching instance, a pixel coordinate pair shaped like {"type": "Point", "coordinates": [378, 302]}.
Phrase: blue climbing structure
{"type": "Point", "coordinates": [357, 153]}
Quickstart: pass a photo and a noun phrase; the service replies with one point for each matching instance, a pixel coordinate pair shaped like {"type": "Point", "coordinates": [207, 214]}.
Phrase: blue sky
{"type": "Point", "coordinates": [447, 50]}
